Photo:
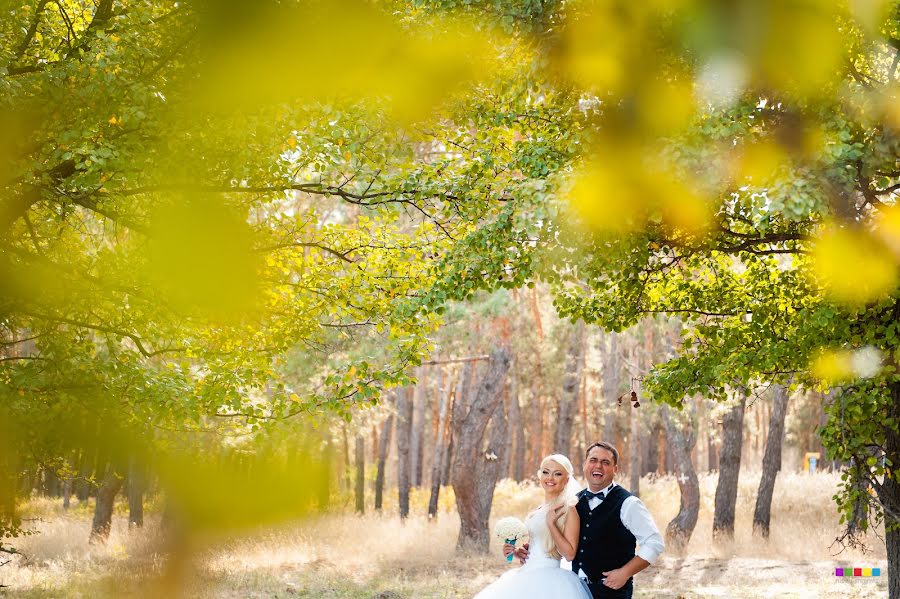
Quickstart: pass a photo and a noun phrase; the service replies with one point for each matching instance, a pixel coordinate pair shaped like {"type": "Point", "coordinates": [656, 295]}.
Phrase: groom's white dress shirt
{"type": "Point", "coordinates": [637, 519]}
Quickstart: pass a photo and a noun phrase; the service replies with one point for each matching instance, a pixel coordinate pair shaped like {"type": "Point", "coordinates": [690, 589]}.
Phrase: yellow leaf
{"type": "Point", "coordinates": [888, 228]}
{"type": "Point", "coordinates": [853, 267]}
{"type": "Point", "coordinates": [604, 200]}
{"type": "Point", "coordinates": [832, 366]}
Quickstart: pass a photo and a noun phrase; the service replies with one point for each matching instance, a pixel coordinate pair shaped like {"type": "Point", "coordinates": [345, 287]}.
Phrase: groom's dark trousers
{"type": "Point", "coordinates": [599, 591]}
{"type": "Point", "coordinates": [604, 543]}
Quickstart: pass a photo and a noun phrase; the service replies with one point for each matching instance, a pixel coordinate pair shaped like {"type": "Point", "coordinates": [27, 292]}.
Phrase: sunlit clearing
{"type": "Point", "coordinates": [201, 256]}
{"type": "Point", "coordinates": [853, 267]}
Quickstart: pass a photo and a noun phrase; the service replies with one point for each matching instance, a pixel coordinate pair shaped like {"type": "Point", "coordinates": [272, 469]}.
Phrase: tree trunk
{"type": "Point", "coordinates": [729, 471]}
{"type": "Point", "coordinates": [136, 486]}
{"type": "Point", "coordinates": [471, 414]}
{"type": "Point", "coordinates": [712, 456]}
{"type": "Point", "coordinates": [360, 488]}
{"type": "Point", "coordinates": [680, 442]}
{"type": "Point", "coordinates": [440, 443]}
{"type": "Point", "coordinates": [9, 469]}
{"type": "Point", "coordinates": [67, 493]}
{"type": "Point", "coordinates": [517, 430]}
{"type": "Point", "coordinates": [85, 470]}
{"type": "Point", "coordinates": [323, 487]}
{"type": "Point", "coordinates": [535, 431]}
{"type": "Point", "coordinates": [344, 470]}
{"type": "Point", "coordinates": [384, 448]}
{"type": "Point", "coordinates": [651, 462]}
{"type": "Point", "coordinates": [417, 438]}
{"type": "Point", "coordinates": [489, 470]}
{"type": "Point", "coordinates": [404, 424]}
{"type": "Point", "coordinates": [771, 464]}
{"type": "Point", "coordinates": [448, 461]}
{"type": "Point", "coordinates": [889, 495]}
{"type": "Point", "coordinates": [634, 443]}
{"type": "Point", "coordinates": [106, 495]}
{"type": "Point", "coordinates": [586, 438]}
{"type": "Point", "coordinates": [611, 379]}
{"type": "Point", "coordinates": [568, 399]}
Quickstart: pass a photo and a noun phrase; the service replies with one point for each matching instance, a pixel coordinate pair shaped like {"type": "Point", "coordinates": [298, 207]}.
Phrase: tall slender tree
{"type": "Point", "coordinates": [771, 465]}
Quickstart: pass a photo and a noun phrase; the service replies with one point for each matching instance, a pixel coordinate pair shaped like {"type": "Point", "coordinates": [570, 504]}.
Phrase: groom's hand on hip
{"type": "Point", "coordinates": [615, 579]}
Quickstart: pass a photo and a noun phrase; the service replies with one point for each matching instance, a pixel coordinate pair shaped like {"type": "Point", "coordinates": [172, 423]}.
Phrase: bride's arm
{"type": "Point", "coordinates": [566, 540]}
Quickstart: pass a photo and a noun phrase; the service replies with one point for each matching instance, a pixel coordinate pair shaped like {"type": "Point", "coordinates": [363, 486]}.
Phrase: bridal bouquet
{"type": "Point", "coordinates": [509, 530]}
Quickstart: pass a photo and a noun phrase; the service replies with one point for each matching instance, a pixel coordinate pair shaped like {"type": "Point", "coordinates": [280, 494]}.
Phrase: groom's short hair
{"type": "Point", "coordinates": [608, 447]}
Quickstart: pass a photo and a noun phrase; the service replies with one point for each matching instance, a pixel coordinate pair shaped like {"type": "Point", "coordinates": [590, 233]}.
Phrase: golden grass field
{"type": "Point", "coordinates": [343, 555]}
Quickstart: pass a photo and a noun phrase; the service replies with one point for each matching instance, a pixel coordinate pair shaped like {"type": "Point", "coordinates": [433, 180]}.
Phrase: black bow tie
{"type": "Point", "coordinates": [591, 495]}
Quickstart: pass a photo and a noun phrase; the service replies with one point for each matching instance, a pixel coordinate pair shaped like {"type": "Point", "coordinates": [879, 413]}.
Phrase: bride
{"type": "Point", "coordinates": [553, 533]}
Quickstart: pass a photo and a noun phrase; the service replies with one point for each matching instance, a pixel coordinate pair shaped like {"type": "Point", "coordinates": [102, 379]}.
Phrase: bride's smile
{"type": "Point", "coordinates": [553, 478]}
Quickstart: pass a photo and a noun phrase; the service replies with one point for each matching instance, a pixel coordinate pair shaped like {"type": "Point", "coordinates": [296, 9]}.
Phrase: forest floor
{"type": "Point", "coordinates": [343, 556]}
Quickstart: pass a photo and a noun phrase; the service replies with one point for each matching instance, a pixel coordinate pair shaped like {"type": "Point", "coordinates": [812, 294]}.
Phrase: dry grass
{"type": "Point", "coordinates": [344, 555]}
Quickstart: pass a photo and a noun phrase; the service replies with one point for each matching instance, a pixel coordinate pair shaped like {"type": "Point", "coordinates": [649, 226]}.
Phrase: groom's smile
{"type": "Point", "coordinates": [599, 468]}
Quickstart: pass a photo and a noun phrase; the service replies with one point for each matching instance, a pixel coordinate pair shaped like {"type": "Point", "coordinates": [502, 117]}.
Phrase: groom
{"type": "Point", "coordinates": [613, 522]}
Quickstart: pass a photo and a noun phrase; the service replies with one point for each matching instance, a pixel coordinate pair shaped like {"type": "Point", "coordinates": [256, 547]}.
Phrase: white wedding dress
{"type": "Point", "coordinates": [540, 577]}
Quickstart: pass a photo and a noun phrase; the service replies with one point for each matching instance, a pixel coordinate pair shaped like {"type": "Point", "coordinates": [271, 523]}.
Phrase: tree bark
{"type": "Point", "coordinates": [136, 486]}
{"type": "Point", "coordinates": [472, 413]}
{"type": "Point", "coordinates": [106, 496]}
{"type": "Point", "coordinates": [440, 443]}
{"type": "Point", "coordinates": [344, 471]}
{"type": "Point", "coordinates": [889, 495]}
{"type": "Point", "coordinates": [771, 464]}
{"type": "Point", "coordinates": [417, 438]}
{"type": "Point", "coordinates": [611, 380]}
{"type": "Point", "coordinates": [568, 399]}
{"type": "Point", "coordinates": [360, 479]}
{"type": "Point", "coordinates": [85, 470]}
{"type": "Point", "coordinates": [712, 456]}
{"type": "Point", "coordinates": [651, 462]}
{"type": "Point", "coordinates": [384, 448]}
{"type": "Point", "coordinates": [404, 424]}
{"type": "Point", "coordinates": [729, 471]}
{"type": "Point", "coordinates": [634, 443]}
{"type": "Point", "coordinates": [680, 442]}
{"type": "Point", "coordinates": [517, 430]}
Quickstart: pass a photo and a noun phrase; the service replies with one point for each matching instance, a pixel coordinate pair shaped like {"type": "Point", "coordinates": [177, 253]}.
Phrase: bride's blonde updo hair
{"type": "Point", "coordinates": [567, 496]}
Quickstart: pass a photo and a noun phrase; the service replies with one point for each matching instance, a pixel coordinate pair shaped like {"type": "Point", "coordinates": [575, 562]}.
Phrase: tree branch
{"type": "Point", "coordinates": [324, 248]}
{"type": "Point", "coordinates": [30, 33]}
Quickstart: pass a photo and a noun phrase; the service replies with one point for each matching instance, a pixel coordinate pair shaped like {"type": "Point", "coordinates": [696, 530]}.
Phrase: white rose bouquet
{"type": "Point", "coordinates": [509, 530]}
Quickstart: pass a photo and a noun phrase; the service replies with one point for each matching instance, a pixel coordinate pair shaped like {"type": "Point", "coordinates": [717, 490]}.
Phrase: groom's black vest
{"type": "Point", "coordinates": [605, 544]}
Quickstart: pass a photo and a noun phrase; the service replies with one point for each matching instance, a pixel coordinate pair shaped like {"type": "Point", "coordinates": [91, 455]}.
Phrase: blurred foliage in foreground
{"type": "Point", "coordinates": [200, 200]}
